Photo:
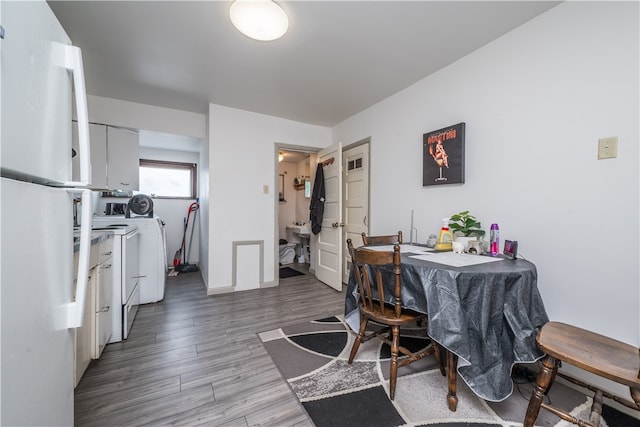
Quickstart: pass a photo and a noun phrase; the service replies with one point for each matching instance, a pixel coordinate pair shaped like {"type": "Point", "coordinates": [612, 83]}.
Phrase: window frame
{"type": "Point", "coordinates": [165, 164]}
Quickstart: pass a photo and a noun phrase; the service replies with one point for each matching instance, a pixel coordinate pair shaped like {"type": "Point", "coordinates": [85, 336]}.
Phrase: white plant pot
{"type": "Point", "coordinates": [464, 240]}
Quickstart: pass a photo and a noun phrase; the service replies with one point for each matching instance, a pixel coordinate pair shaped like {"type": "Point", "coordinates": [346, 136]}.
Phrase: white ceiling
{"type": "Point", "coordinates": [165, 141]}
{"type": "Point", "coordinates": [338, 57]}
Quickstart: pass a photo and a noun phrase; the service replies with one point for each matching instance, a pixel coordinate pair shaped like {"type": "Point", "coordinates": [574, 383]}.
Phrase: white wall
{"type": "Point", "coordinates": [132, 115]}
{"type": "Point", "coordinates": [535, 103]}
{"type": "Point", "coordinates": [168, 121]}
{"type": "Point", "coordinates": [287, 210]}
{"type": "Point", "coordinates": [173, 211]}
{"type": "Point", "coordinates": [241, 162]}
{"type": "Point", "coordinates": [296, 208]}
{"type": "Point", "coordinates": [302, 203]}
{"type": "Point", "coordinates": [203, 185]}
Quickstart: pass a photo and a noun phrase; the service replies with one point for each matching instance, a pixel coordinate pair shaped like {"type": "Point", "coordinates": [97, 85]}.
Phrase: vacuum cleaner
{"type": "Point", "coordinates": [182, 265]}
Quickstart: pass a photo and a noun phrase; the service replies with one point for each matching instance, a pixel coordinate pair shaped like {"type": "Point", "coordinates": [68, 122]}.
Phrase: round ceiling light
{"type": "Point", "coordinates": [261, 20]}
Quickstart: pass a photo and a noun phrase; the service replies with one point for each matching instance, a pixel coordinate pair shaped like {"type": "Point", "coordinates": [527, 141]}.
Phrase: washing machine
{"type": "Point", "coordinates": [152, 253]}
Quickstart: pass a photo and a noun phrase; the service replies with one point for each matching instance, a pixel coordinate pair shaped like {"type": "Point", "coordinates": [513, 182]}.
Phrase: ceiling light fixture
{"type": "Point", "coordinates": [280, 156]}
{"type": "Point", "coordinates": [262, 20]}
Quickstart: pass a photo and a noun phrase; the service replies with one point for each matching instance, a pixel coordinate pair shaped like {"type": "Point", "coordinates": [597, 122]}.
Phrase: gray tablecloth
{"type": "Point", "coordinates": [487, 314]}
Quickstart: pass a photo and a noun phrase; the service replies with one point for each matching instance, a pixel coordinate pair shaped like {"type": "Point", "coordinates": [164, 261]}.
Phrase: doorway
{"type": "Point", "coordinates": [293, 195]}
{"type": "Point", "coordinates": [292, 204]}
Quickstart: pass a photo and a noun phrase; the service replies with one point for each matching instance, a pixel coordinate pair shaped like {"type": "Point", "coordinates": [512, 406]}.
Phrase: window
{"type": "Point", "coordinates": [168, 179]}
{"type": "Point", "coordinates": [354, 164]}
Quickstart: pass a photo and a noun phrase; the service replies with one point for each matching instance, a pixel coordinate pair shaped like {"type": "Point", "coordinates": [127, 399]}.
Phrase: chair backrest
{"type": "Point", "coordinates": [371, 268]}
{"type": "Point", "coordinates": [394, 239]}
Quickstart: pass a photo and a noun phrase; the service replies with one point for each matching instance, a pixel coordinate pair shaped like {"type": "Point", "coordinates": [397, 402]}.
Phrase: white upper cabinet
{"type": "Point", "coordinates": [98, 144]}
{"type": "Point", "coordinates": [123, 159]}
{"type": "Point", "coordinates": [115, 158]}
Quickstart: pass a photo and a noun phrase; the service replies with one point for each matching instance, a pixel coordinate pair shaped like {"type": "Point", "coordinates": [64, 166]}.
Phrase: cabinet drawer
{"type": "Point", "coordinates": [102, 326]}
{"type": "Point", "coordinates": [105, 250]}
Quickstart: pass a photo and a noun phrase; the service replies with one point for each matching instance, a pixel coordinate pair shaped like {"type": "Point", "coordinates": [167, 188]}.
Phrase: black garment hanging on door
{"type": "Point", "coordinates": [317, 201]}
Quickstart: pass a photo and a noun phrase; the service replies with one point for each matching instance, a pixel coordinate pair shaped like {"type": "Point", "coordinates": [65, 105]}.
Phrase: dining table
{"type": "Point", "coordinates": [483, 311]}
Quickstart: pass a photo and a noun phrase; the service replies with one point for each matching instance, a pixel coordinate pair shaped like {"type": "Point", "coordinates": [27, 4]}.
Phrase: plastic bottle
{"type": "Point", "coordinates": [494, 240]}
{"type": "Point", "coordinates": [445, 238]}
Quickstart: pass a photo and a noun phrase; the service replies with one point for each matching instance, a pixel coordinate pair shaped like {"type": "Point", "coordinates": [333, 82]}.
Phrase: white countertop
{"type": "Point", "coordinates": [97, 236]}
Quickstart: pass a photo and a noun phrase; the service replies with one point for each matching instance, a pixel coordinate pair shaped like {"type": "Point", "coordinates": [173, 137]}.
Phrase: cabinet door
{"type": "Point", "coordinates": [131, 266]}
{"type": "Point", "coordinates": [83, 340]}
{"type": "Point", "coordinates": [103, 307]}
{"type": "Point", "coordinates": [98, 140]}
{"type": "Point", "coordinates": [123, 159]}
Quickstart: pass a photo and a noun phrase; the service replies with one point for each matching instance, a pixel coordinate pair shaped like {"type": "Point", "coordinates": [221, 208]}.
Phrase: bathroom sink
{"type": "Point", "coordinates": [299, 229]}
{"type": "Point", "coordinates": [295, 232]}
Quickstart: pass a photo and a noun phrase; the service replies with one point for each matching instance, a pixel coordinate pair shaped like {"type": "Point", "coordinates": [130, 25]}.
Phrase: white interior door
{"type": "Point", "coordinates": [356, 200]}
{"type": "Point", "coordinates": [329, 240]}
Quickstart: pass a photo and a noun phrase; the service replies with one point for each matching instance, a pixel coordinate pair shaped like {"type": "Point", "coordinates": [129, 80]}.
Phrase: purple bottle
{"type": "Point", "coordinates": [494, 240]}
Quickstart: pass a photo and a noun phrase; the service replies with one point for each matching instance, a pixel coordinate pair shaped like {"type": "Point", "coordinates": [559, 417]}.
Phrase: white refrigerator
{"type": "Point", "coordinates": [41, 78]}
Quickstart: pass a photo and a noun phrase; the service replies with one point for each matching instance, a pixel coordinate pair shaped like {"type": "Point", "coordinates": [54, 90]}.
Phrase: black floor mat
{"type": "Point", "coordinates": [289, 272]}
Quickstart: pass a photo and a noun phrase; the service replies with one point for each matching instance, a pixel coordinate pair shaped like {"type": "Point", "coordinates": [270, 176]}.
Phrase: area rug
{"type": "Point", "coordinates": [312, 357]}
{"type": "Point", "coordinates": [289, 272]}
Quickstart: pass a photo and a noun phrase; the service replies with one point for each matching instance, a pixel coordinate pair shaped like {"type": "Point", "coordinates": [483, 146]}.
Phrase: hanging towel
{"type": "Point", "coordinates": [317, 201]}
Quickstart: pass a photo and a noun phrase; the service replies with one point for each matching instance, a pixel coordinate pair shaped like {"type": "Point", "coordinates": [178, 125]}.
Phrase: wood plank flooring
{"type": "Point", "coordinates": [197, 360]}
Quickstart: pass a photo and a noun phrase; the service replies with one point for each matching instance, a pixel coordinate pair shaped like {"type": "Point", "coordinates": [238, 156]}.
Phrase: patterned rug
{"type": "Point", "coordinates": [312, 357]}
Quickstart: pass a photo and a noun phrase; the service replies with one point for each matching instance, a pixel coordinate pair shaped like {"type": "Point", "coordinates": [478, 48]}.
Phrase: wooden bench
{"type": "Point", "coordinates": [600, 355]}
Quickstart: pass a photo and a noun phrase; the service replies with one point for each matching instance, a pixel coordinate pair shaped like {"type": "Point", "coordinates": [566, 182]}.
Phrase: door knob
{"type": "Point", "coordinates": [336, 224]}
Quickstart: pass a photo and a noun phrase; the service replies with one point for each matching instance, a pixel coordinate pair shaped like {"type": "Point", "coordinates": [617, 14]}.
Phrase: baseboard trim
{"type": "Point", "coordinates": [220, 290]}
{"type": "Point", "coordinates": [271, 284]}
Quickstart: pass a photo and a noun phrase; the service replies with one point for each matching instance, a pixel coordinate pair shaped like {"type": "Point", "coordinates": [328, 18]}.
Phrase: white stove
{"type": "Point", "coordinates": [153, 252]}
{"type": "Point", "coordinates": [126, 276]}
{"type": "Point", "coordinates": [118, 228]}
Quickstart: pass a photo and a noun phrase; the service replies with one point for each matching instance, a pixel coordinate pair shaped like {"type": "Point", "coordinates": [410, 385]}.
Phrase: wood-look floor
{"type": "Point", "coordinates": [197, 360]}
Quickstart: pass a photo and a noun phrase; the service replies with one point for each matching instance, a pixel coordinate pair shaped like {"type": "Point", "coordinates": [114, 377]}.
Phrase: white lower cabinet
{"type": "Point", "coordinates": [97, 323]}
{"type": "Point", "coordinates": [82, 339]}
{"type": "Point", "coordinates": [102, 321]}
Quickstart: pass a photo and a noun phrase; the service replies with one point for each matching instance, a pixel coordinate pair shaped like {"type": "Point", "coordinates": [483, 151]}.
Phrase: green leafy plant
{"type": "Point", "coordinates": [465, 224]}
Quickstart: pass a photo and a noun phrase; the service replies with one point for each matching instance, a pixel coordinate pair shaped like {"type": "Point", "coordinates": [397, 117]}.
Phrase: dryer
{"type": "Point", "coordinates": [152, 253]}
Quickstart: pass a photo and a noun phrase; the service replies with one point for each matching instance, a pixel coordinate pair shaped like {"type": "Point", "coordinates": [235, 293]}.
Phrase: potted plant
{"type": "Point", "coordinates": [465, 227]}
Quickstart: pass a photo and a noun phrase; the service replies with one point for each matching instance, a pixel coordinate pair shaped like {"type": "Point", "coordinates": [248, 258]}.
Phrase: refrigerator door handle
{"type": "Point", "coordinates": [73, 62]}
{"type": "Point", "coordinates": [75, 311]}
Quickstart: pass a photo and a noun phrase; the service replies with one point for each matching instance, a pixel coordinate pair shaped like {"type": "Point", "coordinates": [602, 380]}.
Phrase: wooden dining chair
{"type": "Point", "coordinates": [394, 239]}
{"type": "Point", "coordinates": [595, 353]}
{"type": "Point", "coordinates": [370, 278]}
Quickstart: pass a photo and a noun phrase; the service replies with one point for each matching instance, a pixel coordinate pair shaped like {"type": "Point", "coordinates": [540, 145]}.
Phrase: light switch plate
{"type": "Point", "coordinates": [608, 148]}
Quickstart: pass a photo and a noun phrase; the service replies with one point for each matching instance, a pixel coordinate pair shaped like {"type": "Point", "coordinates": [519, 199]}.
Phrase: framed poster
{"type": "Point", "coordinates": [443, 156]}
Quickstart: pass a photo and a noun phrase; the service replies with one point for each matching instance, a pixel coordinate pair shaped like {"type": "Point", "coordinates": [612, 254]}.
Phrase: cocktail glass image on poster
{"type": "Point", "coordinates": [443, 156]}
